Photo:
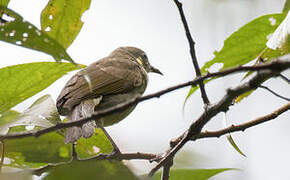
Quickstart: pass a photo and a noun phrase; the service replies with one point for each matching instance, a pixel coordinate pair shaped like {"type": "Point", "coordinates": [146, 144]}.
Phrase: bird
{"type": "Point", "coordinates": [112, 80]}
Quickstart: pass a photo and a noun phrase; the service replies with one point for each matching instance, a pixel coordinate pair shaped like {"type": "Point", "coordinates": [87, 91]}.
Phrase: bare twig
{"type": "Point", "coordinates": [244, 126]}
{"type": "Point", "coordinates": [192, 51]}
{"type": "Point", "coordinates": [220, 106]}
{"type": "Point", "coordinates": [123, 156]}
{"type": "Point", "coordinates": [274, 93]}
{"type": "Point", "coordinates": [276, 65]}
{"type": "Point", "coordinates": [285, 78]}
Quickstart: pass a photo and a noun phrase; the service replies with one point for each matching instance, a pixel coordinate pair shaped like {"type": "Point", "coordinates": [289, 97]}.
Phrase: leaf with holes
{"type": "Point", "coordinates": [15, 30]}
{"type": "Point", "coordinates": [244, 45]}
{"type": "Point", "coordinates": [61, 19]}
{"type": "Point", "coordinates": [20, 82]}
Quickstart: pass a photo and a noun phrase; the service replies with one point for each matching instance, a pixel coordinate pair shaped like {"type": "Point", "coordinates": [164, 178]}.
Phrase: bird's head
{"type": "Point", "coordinates": [136, 55]}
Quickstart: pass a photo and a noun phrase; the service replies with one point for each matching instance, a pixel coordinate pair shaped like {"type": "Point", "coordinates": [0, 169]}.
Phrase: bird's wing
{"type": "Point", "coordinates": [106, 77]}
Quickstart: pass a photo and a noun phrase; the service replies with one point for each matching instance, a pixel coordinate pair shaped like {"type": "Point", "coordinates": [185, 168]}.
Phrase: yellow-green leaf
{"type": "Point", "coordinates": [20, 82]}
{"type": "Point", "coordinates": [61, 19]}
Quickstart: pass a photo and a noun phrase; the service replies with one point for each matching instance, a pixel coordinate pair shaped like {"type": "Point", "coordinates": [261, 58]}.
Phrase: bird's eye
{"type": "Point", "coordinates": [145, 56]}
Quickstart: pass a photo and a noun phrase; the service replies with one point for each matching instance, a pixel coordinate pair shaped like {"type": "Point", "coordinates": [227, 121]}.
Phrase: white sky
{"type": "Point", "coordinates": [155, 27]}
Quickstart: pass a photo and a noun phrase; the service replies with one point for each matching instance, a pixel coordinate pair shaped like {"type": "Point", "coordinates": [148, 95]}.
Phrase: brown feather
{"type": "Point", "coordinates": [107, 76]}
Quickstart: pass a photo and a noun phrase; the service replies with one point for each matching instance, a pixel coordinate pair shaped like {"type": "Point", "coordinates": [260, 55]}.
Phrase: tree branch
{"type": "Point", "coordinates": [243, 126]}
{"type": "Point", "coordinates": [275, 65]}
{"type": "Point", "coordinates": [121, 156]}
{"type": "Point", "coordinates": [192, 51]}
{"type": "Point", "coordinates": [166, 170]}
{"type": "Point", "coordinates": [170, 155]}
{"type": "Point", "coordinates": [221, 106]}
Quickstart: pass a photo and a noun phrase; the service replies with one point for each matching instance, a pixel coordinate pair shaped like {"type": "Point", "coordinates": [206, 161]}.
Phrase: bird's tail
{"type": "Point", "coordinates": [82, 110]}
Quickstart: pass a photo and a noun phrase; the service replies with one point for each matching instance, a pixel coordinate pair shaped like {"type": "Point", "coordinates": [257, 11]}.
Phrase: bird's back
{"type": "Point", "coordinates": [108, 76]}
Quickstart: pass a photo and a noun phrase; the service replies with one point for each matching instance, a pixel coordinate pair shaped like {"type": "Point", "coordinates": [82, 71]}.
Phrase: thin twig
{"type": "Point", "coordinates": [221, 106]}
{"type": "Point", "coordinates": [285, 78]}
{"type": "Point", "coordinates": [192, 51]}
{"type": "Point", "coordinates": [274, 93]}
{"type": "Point", "coordinates": [244, 126]}
{"type": "Point", "coordinates": [275, 65]}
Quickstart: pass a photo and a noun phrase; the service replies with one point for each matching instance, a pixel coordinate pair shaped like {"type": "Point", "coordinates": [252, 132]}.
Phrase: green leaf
{"type": "Point", "coordinates": [102, 169]}
{"type": "Point", "coordinates": [247, 43]}
{"type": "Point", "coordinates": [232, 142]}
{"type": "Point", "coordinates": [196, 174]}
{"type": "Point", "coordinates": [4, 2]}
{"type": "Point", "coordinates": [35, 152]}
{"type": "Point", "coordinates": [94, 145]}
{"type": "Point", "coordinates": [286, 6]}
{"type": "Point", "coordinates": [244, 45]}
{"type": "Point", "coordinates": [15, 30]}
{"type": "Point", "coordinates": [20, 82]}
{"type": "Point", "coordinates": [61, 19]}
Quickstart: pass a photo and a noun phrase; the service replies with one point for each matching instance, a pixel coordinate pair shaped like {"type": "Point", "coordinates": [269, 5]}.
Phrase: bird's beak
{"type": "Point", "coordinates": [155, 70]}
